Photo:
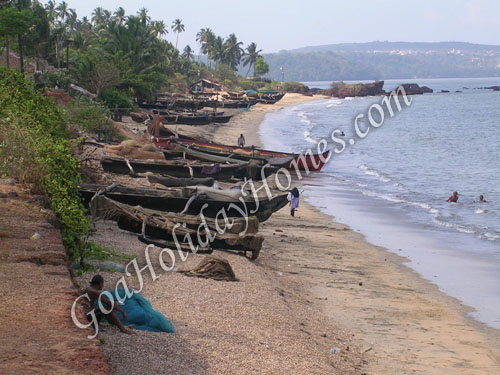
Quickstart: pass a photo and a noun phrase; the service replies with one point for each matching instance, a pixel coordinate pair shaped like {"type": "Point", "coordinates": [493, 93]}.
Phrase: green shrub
{"type": "Point", "coordinates": [34, 149]}
{"type": "Point", "coordinates": [59, 79]}
{"type": "Point", "coordinates": [90, 117]}
{"type": "Point", "coordinates": [247, 84]}
{"type": "Point", "coordinates": [112, 98]}
{"type": "Point", "coordinates": [295, 87]}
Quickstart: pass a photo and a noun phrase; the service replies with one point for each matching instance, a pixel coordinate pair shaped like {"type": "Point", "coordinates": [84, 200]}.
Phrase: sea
{"type": "Point", "coordinates": [392, 186]}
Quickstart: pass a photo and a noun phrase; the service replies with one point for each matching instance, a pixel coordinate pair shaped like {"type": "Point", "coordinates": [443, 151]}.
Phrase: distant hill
{"type": "Point", "coordinates": [385, 60]}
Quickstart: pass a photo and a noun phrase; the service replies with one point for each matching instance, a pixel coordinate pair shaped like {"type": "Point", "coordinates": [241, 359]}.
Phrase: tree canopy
{"type": "Point", "coordinates": [116, 50]}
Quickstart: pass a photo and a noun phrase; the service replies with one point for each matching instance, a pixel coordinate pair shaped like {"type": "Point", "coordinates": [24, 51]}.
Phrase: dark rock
{"type": "Point", "coordinates": [342, 90]}
{"type": "Point", "coordinates": [414, 89]}
{"type": "Point", "coordinates": [445, 91]}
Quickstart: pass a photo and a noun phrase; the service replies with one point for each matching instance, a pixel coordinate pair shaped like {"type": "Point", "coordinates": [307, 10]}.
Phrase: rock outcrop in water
{"type": "Point", "coordinates": [343, 90]}
{"type": "Point", "coordinates": [414, 89]}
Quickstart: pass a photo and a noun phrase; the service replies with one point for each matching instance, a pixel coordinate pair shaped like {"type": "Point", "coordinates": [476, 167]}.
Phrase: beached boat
{"type": "Point", "coordinates": [313, 162]}
{"type": "Point", "coordinates": [195, 119]}
{"type": "Point", "coordinates": [242, 235]}
{"type": "Point", "coordinates": [185, 169]}
{"type": "Point", "coordinates": [191, 200]}
{"type": "Point", "coordinates": [180, 182]}
{"type": "Point", "coordinates": [222, 156]}
{"type": "Point", "coordinates": [229, 103]}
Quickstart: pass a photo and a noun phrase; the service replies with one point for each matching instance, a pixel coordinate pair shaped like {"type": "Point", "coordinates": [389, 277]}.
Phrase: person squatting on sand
{"type": "Point", "coordinates": [94, 292]}
{"type": "Point", "coordinates": [453, 198]}
{"type": "Point", "coordinates": [293, 198]}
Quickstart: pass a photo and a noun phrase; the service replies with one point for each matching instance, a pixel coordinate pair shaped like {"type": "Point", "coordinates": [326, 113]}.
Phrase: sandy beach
{"type": "Point", "coordinates": [319, 299]}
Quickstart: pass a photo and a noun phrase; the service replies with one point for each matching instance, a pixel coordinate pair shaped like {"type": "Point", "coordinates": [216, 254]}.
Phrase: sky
{"type": "Point", "coordinates": [287, 24]}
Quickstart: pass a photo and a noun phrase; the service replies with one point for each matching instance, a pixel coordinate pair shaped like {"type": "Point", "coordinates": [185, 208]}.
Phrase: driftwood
{"type": "Point", "coordinates": [242, 235]}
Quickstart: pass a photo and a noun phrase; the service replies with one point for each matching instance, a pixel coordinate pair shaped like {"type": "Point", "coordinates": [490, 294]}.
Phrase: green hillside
{"type": "Point", "coordinates": [385, 60]}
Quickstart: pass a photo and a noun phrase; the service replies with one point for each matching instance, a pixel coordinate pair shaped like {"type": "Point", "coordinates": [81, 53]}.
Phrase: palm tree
{"type": "Point", "coordinates": [216, 50]}
{"type": "Point", "coordinates": [251, 55]}
{"type": "Point", "coordinates": [187, 53]}
{"type": "Point", "coordinates": [63, 11]}
{"type": "Point", "coordinates": [51, 11]}
{"type": "Point", "coordinates": [232, 51]}
{"type": "Point", "coordinates": [143, 16]}
{"type": "Point", "coordinates": [177, 27]}
{"type": "Point", "coordinates": [98, 16]}
{"type": "Point", "coordinates": [72, 19]}
{"type": "Point", "coordinates": [158, 28]}
{"type": "Point", "coordinates": [119, 15]}
{"type": "Point", "coordinates": [205, 38]}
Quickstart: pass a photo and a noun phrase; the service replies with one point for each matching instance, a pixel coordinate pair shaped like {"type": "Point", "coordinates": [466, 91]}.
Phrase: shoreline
{"type": "Point", "coordinates": [431, 318]}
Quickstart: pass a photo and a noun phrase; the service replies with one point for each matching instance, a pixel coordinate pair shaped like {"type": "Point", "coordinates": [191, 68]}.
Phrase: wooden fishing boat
{"type": "Point", "coordinates": [195, 119]}
{"type": "Point", "coordinates": [242, 235]}
{"type": "Point", "coordinates": [186, 169]}
{"type": "Point", "coordinates": [193, 152]}
{"type": "Point", "coordinates": [311, 162]}
{"type": "Point", "coordinates": [191, 200]}
{"type": "Point", "coordinates": [229, 103]}
{"type": "Point", "coordinates": [180, 182]}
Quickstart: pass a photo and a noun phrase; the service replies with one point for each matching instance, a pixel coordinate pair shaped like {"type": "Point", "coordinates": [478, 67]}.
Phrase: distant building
{"type": "Point", "coordinates": [204, 86]}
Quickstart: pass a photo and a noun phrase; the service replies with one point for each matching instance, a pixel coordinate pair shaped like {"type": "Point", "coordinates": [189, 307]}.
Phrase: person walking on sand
{"type": "Point", "coordinates": [94, 292]}
{"type": "Point", "coordinates": [293, 198]}
{"type": "Point", "coordinates": [482, 200]}
{"type": "Point", "coordinates": [453, 198]}
{"type": "Point", "coordinates": [241, 141]}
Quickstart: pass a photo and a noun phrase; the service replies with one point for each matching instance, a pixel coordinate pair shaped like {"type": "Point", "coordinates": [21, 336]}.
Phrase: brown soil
{"type": "Point", "coordinates": [37, 335]}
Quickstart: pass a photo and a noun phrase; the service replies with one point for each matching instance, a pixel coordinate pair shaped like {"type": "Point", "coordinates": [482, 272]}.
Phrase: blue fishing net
{"type": "Point", "coordinates": [141, 314]}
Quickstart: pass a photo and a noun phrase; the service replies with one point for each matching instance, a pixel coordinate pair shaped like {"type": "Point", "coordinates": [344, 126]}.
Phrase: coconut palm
{"type": "Point", "coordinates": [72, 19]}
{"type": "Point", "coordinates": [177, 27]}
{"type": "Point", "coordinates": [187, 53]}
{"type": "Point", "coordinates": [232, 51]}
{"type": "Point", "coordinates": [98, 16]}
{"type": "Point", "coordinates": [50, 8]}
{"type": "Point", "coordinates": [119, 15]}
{"type": "Point", "coordinates": [143, 16]}
{"type": "Point", "coordinates": [158, 28]}
{"type": "Point", "coordinates": [63, 11]}
{"type": "Point", "coordinates": [251, 55]}
{"type": "Point", "coordinates": [205, 38]}
{"type": "Point", "coordinates": [216, 50]}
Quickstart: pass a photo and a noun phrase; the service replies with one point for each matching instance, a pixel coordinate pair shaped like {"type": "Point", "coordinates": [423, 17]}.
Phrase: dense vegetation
{"type": "Point", "coordinates": [35, 149]}
{"type": "Point", "coordinates": [382, 60]}
{"type": "Point", "coordinates": [114, 55]}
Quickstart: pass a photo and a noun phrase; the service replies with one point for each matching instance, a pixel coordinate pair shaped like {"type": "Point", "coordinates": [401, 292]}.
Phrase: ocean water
{"type": "Point", "coordinates": [392, 186]}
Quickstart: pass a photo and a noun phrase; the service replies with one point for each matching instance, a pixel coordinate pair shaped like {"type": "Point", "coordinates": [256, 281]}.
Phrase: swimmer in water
{"type": "Point", "coordinates": [453, 198]}
{"type": "Point", "coordinates": [482, 200]}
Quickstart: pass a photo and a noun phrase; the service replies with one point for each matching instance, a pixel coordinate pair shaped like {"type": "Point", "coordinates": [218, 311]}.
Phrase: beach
{"type": "Point", "coordinates": [319, 299]}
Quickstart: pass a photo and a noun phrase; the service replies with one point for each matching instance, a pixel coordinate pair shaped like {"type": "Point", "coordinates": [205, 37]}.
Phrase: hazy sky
{"type": "Point", "coordinates": [280, 24]}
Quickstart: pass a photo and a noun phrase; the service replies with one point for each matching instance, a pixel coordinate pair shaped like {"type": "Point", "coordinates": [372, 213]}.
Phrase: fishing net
{"type": "Point", "coordinates": [213, 268]}
{"type": "Point", "coordinates": [141, 314]}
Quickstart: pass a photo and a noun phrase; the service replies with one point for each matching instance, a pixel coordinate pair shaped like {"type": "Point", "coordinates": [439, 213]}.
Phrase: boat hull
{"type": "Point", "coordinates": [155, 199]}
{"type": "Point", "coordinates": [314, 162]}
